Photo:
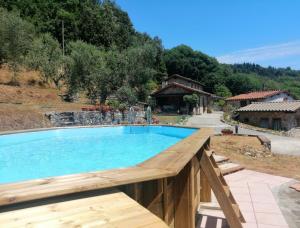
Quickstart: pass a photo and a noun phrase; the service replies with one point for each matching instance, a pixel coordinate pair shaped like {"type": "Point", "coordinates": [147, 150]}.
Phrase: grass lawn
{"type": "Point", "coordinates": [280, 165]}
{"type": "Point", "coordinates": [171, 119]}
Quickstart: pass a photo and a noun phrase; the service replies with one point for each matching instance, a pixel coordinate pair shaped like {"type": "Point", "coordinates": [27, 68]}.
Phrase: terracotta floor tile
{"type": "Point", "coordinates": [249, 225]}
{"type": "Point", "coordinates": [263, 198]}
{"type": "Point", "coordinates": [242, 197]}
{"type": "Point", "coordinates": [270, 226]}
{"type": "Point", "coordinates": [239, 190]}
{"type": "Point", "coordinates": [249, 217]}
{"type": "Point", "coordinates": [241, 184]}
{"type": "Point", "coordinates": [246, 207]}
{"type": "Point", "coordinates": [266, 208]}
{"type": "Point", "coordinates": [270, 219]}
{"type": "Point", "coordinates": [265, 192]}
{"type": "Point", "coordinates": [252, 191]}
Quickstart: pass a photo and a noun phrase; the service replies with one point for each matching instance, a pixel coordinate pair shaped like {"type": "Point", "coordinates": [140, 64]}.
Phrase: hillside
{"type": "Point", "coordinates": [23, 107]}
{"type": "Point", "coordinates": [275, 78]}
{"type": "Point", "coordinates": [104, 56]}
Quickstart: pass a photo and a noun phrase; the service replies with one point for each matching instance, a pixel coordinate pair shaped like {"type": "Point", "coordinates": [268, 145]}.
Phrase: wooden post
{"type": "Point", "coordinates": [205, 189]}
{"type": "Point", "coordinates": [192, 200]}
{"type": "Point", "coordinates": [183, 213]}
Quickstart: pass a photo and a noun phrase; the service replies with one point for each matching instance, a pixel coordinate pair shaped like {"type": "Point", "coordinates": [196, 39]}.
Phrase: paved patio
{"type": "Point", "coordinates": [253, 192]}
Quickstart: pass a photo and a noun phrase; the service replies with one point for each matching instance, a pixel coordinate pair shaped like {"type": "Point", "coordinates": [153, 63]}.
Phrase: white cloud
{"type": "Point", "coordinates": [262, 53]}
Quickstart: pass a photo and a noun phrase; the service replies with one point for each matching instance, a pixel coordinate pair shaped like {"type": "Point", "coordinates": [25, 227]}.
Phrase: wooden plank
{"type": "Point", "coordinates": [83, 182]}
{"type": "Point", "coordinates": [169, 197]}
{"type": "Point", "coordinates": [183, 213]}
{"type": "Point", "coordinates": [217, 187]}
{"type": "Point", "coordinates": [192, 201]}
{"type": "Point", "coordinates": [205, 189]}
{"type": "Point", "coordinates": [110, 210]}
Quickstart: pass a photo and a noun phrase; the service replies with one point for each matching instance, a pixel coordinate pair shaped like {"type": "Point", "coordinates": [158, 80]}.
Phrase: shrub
{"type": "Point", "coordinates": [227, 131]}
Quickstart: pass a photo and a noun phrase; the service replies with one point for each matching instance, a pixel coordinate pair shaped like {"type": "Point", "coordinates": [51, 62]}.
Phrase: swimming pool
{"type": "Point", "coordinates": [26, 156]}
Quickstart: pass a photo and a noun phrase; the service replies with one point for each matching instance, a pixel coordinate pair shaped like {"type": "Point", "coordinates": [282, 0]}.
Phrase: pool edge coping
{"type": "Point", "coordinates": [89, 126]}
{"type": "Point", "coordinates": [175, 158]}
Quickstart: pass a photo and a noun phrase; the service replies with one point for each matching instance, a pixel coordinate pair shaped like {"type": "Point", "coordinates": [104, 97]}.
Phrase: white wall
{"type": "Point", "coordinates": [279, 97]}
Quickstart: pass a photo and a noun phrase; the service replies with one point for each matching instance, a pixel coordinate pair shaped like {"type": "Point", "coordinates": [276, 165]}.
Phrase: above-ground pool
{"type": "Point", "coordinates": [41, 154]}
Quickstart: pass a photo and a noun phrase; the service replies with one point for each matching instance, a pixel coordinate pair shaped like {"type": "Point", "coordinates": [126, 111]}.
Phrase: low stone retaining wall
{"type": "Point", "coordinates": [85, 118]}
{"type": "Point", "coordinates": [295, 132]}
{"type": "Point", "coordinates": [265, 141]}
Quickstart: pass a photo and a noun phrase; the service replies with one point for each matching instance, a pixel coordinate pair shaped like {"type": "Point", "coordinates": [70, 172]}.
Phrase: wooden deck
{"type": "Point", "coordinates": [108, 210]}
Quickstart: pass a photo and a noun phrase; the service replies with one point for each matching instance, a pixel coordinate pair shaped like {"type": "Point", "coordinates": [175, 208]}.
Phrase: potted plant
{"type": "Point", "coordinates": [155, 120]}
{"type": "Point", "coordinates": [227, 131]}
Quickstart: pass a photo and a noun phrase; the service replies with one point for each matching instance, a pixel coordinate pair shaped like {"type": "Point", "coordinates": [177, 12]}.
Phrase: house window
{"type": "Point", "coordinates": [298, 122]}
{"type": "Point", "coordinates": [243, 103]}
{"type": "Point", "coordinates": [276, 124]}
{"type": "Point", "coordinates": [264, 122]}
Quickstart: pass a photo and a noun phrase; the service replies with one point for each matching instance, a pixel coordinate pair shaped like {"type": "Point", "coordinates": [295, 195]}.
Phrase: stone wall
{"type": "Point", "coordinates": [288, 120]}
{"type": "Point", "coordinates": [295, 132]}
{"type": "Point", "coordinates": [86, 118]}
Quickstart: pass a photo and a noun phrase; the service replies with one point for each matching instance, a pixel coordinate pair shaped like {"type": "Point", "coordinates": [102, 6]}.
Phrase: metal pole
{"type": "Point", "coordinates": [63, 37]}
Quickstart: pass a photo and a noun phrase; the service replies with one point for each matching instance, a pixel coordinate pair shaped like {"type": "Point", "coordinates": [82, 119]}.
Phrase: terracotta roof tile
{"type": "Point", "coordinates": [285, 106]}
{"type": "Point", "coordinates": [184, 78]}
{"type": "Point", "coordinates": [255, 95]}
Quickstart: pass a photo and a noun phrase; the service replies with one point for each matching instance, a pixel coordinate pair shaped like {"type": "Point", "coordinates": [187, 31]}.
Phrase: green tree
{"type": "Point", "coordinates": [114, 105]}
{"type": "Point", "coordinates": [101, 23]}
{"type": "Point", "coordinates": [141, 68]}
{"type": "Point", "coordinates": [116, 63]}
{"type": "Point", "coordinates": [46, 56]}
{"type": "Point", "coordinates": [191, 101]}
{"type": "Point", "coordinates": [185, 61]}
{"type": "Point", "coordinates": [86, 70]}
{"type": "Point", "coordinates": [242, 83]}
{"type": "Point", "coordinates": [15, 40]}
{"type": "Point", "coordinates": [126, 95]}
{"type": "Point", "coordinates": [222, 91]}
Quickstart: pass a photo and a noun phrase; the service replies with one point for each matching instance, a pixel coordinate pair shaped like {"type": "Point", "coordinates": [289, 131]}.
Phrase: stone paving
{"type": "Point", "coordinates": [253, 192]}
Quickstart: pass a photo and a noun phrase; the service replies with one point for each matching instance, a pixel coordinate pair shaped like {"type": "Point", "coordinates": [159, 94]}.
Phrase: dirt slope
{"type": "Point", "coordinates": [24, 106]}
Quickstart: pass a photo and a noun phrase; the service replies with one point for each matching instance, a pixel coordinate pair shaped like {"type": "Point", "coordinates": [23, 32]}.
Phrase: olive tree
{"type": "Point", "coordinates": [46, 56]}
{"type": "Point", "coordinates": [16, 36]}
{"type": "Point", "coordinates": [86, 70]}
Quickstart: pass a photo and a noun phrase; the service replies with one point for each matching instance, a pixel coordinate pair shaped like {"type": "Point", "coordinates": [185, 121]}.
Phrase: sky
{"type": "Point", "coordinates": [266, 32]}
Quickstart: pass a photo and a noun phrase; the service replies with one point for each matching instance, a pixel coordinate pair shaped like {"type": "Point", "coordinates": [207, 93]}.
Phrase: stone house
{"type": "Point", "coordinates": [242, 100]}
{"type": "Point", "coordinates": [274, 115]}
{"type": "Point", "coordinates": [169, 98]}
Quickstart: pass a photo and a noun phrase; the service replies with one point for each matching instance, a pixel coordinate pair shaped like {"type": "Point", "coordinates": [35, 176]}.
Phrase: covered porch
{"type": "Point", "coordinates": [174, 103]}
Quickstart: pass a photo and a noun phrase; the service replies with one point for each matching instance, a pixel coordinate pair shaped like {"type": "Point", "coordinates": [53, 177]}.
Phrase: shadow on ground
{"type": "Point", "coordinates": [207, 221]}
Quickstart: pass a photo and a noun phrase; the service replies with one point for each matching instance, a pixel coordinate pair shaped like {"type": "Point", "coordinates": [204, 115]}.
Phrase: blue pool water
{"type": "Point", "coordinates": [26, 156]}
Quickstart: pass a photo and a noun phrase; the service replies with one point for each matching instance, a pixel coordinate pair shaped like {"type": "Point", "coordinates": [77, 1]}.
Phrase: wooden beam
{"type": "Point", "coordinates": [228, 206]}
{"type": "Point", "coordinates": [205, 189]}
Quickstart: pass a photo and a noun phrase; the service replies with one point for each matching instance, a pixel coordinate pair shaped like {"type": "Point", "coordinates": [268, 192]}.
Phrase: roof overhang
{"type": "Point", "coordinates": [177, 85]}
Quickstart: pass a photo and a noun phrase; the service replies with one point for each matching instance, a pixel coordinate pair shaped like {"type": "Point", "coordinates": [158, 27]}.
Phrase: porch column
{"type": "Point", "coordinates": [201, 104]}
